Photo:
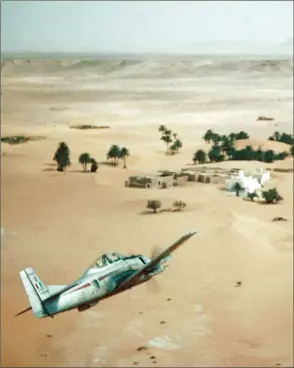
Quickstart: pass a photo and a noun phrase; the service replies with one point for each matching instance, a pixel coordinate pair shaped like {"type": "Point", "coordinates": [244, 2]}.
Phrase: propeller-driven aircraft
{"type": "Point", "coordinates": [110, 274]}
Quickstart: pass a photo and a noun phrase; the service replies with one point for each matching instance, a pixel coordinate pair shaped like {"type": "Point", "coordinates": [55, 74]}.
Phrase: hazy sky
{"type": "Point", "coordinates": [139, 26]}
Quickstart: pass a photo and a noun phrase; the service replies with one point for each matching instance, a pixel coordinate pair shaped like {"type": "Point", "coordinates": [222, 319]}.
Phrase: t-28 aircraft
{"type": "Point", "coordinates": [109, 275]}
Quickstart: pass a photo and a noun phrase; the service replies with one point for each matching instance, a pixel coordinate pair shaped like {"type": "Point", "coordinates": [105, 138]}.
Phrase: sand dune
{"type": "Point", "coordinates": [144, 68]}
{"type": "Point", "coordinates": [58, 223]}
{"type": "Point", "coordinates": [263, 144]}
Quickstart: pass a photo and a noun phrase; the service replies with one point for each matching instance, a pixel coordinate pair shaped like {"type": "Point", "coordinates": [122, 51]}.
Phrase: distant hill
{"type": "Point", "coordinates": [238, 47]}
{"type": "Point", "coordinates": [212, 48]}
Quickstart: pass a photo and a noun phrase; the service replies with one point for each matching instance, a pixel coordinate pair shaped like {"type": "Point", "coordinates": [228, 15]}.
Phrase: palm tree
{"type": "Point", "coordinates": [259, 154]}
{"type": "Point", "coordinates": [173, 148]}
{"type": "Point", "coordinates": [208, 136]}
{"type": "Point", "coordinates": [124, 152]}
{"type": "Point", "coordinates": [227, 145]}
{"type": "Point", "coordinates": [216, 138]}
{"type": "Point", "coordinates": [84, 160]}
{"type": "Point", "coordinates": [199, 156]}
{"type": "Point", "coordinates": [287, 138]}
{"type": "Point", "coordinates": [178, 144]}
{"type": "Point", "coordinates": [237, 187]}
{"type": "Point", "coordinates": [276, 136]}
{"type": "Point", "coordinates": [242, 135]}
{"type": "Point", "coordinates": [249, 153]}
{"type": "Point", "coordinates": [215, 154]}
{"type": "Point", "coordinates": [281, 155]}
{"type": "Point", "coordinates": [162, 129]}
{"type": "Point", "coordinates": [114, 154]}
{"type": "Point", "coordinates": [269, 156]}
{"type": "Point", "coordinates": [252, 196]}
{"type": "Point", "coordinates": [292, 150]}
{"type": "Point", "coordinates": [232, 136]}
{"type": "Point", "coordinates": [94, 165]}
{"type": "Point", "coordinates": [62, 157]}
{"type": "Point", "coordinates": [166, 137]}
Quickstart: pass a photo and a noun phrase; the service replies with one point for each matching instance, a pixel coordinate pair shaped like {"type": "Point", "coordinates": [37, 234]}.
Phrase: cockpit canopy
{"type": "Point", "coordinates": [107, 259]}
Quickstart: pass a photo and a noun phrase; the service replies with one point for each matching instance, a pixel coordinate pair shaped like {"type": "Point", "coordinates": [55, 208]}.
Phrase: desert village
{"type": "Point", "coordinates": [227, 297]}
{"type": "Point", "coordinates": [250, 181]}
{"type": "Point", "coordinates": [209, 175]}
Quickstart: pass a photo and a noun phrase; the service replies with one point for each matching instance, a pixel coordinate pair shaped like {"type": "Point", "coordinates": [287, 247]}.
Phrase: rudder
{"type": "Point", "coordinates": [40, 288]}
{"type": "Point", "coordinates": [34, 298]}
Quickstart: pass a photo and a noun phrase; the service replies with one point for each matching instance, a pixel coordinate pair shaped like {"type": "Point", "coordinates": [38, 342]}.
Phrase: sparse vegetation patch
{"type": "Point", "coordinates": [272, 196]}
{"type": "Point", "coordinates": [179, 205]}
{"type": "Point", "coordinates": [153, 204]}
{"type": "Point", "coordinates": [17, 139]}
{"type": "Point", "coordinates": [88, 126]}
{"type": "Point", "coordinates": [264, 118]}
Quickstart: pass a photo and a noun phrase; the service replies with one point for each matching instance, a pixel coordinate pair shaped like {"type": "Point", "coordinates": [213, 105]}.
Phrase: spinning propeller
{"type": "Point", "coordinates": [152, 285]}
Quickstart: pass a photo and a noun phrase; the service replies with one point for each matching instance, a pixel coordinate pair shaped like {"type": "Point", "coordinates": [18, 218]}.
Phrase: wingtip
{"type": "Point", "coordinates": [194, 231]}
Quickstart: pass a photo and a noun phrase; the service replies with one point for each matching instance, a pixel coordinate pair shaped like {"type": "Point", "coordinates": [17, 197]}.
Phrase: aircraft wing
{"type": "Point", "coordinates": [131, 280]}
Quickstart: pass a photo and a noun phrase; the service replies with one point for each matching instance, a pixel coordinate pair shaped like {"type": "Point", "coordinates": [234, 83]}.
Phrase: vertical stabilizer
{"type": "Point", "coordinates": [41, 289]}
{"type": "Point", "coordinates": [35, 301]}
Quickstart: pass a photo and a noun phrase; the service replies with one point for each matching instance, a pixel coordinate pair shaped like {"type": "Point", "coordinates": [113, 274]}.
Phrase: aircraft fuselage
{"type": "Point", "coordinates": [95, 286]}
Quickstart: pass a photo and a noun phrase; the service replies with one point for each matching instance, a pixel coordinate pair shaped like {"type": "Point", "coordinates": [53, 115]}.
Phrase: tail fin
{"type": "Point", "coordinates": [40, 288]}
{"type": "Point", "coordinates": [35, 291]}
{"type": "Point", "coordinates": [38, 292]}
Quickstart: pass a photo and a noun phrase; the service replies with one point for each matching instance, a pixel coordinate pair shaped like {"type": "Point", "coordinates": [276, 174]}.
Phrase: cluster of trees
{"type": "Point", "coordinates": [216, 138]}
{"type": "Point", "coordinates": [223, 148]}
{"type": "Point", "coordinates": [115, 153]}
{"type": "Point", "coordinates": [154, 204]}
{"type": "Point", "coordinates": [85, 159]}
{"type": "Point", "coordinates": [62, 158]}
{"type": "Point", "coordinates": [270, 196]}
{"type": "Point", "coordinates": [173, 143]}
{"type": "Point", "coordinates": [282, 137]}
{"type": "Point", "coordinates": [218, 154]}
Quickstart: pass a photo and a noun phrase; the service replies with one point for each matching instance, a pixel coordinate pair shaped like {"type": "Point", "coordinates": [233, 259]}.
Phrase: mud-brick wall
{"type": "Point", "coordinates": [192, 176]}
{"type": "Point", "coordinates": [182, 180]}
{"type": "Point", "coordinates": [136, 184]}
{"type": "Point", "coordinates": [162, 182]}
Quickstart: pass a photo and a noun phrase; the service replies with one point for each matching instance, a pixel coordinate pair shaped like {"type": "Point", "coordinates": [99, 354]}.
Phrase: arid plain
{"type": "Point", "coordinates": [59, 223]}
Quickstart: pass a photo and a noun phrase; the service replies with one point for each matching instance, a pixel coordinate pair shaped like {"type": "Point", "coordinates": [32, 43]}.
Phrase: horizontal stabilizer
{"type": "Point", "coordinates": [23, 311]}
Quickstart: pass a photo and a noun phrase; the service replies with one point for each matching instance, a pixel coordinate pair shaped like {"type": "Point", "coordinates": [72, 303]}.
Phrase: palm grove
{"type": "Point", "coordinates": [223, 148]}
{"type": "Point", "coordinates": [62, 158]}
{"type": "Point", "coordinates": [173, 143]}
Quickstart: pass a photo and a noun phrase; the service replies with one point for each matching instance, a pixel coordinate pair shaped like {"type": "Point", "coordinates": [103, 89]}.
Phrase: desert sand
{"type": "Point", "coordinates": [59, 223]}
